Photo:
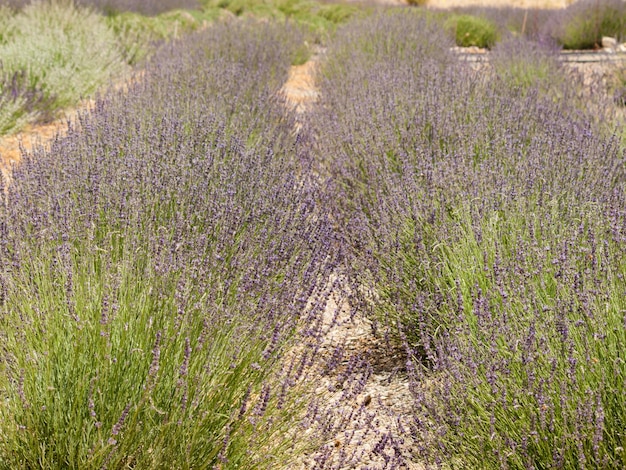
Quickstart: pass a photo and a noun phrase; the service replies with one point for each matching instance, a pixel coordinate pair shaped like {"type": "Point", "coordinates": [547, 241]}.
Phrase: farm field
{"type": "Point", "coordinates": [300, 235]}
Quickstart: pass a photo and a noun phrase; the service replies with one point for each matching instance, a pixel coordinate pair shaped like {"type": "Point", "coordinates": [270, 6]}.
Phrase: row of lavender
{"type": "Point", "coordinates": [154, 265]}
{"type": "Point", "coordinates": [485, 218]}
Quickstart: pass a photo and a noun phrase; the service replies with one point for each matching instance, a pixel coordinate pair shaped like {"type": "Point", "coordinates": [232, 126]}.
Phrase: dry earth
{"type": "Point", "coordinates": [380, 410]}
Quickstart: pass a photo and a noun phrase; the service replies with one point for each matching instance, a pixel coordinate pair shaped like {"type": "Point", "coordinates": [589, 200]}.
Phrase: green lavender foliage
{"type": "Point", "coordinates": [157, 263]}
{"type": "Point", "coordinates": [485, 221]}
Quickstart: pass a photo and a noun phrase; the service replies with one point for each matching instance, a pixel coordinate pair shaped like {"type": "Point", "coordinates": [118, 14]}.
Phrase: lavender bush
{"type": "Point", "coordinates": [511, 20]}
{"type": "Point", "coordinates": [471, 31]}
{"type": "Point", "coordinates": [156, 263]}
{"type": "Point", "coordinates": [146, 7]}
{"type": "Point", "coordinates": [21, 104]}
{"type": "Point", "coordinates": [521, 65]}
{"type": "Point", "coordinates": [486, 226]}
{"type": "Point", "coordinates": [582, 24]}
{"type": "Point", "coordinates": [56, 54]}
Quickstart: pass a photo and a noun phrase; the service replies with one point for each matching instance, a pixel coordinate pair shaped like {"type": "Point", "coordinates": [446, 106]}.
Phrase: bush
{"type": "Point", "coordinates": [68, 52]}
{"type": "Point", "coordinates": [472, 31]}
{"type": "Point", "coordinates": [318, 18]}
{"type": "Point", "coordinates": [582, 25]}
{"type": "Point", "coordinates": [418, 3]}
{"type": "Point", "coordinates": [486, 229]}
{"type": "Point", "coordinates": [139, 35]}
{"type": "Point", "coordinates": [617, 86]}
{"type": "Point", "coordinates": [167, 254]}
{"type": "Point", "coordinates": [145, 7]}
{"type": "Point", "coordinates": [21, 104]}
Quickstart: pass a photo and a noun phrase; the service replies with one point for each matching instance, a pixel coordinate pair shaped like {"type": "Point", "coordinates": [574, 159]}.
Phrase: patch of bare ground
{"type": "Point", "coordinates": [358, 378]}
{"type": "Point", "coordinates": [299, 89]}
{"type": "Point", "coordinates": [362, 387]}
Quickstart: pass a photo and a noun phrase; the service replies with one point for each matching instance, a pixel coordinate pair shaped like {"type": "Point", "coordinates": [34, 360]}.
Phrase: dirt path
{"type": "Point", "coordinates": [299, 89]}
{"type": "Point", "coordinates": [369, 426]}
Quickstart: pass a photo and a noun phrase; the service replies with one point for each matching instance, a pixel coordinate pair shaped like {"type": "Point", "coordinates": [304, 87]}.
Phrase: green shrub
{"type": "Point", "coordinates": [337, 13]}
{"type": "Point", "coordinates": [137, 33]}
{"type": "Point", "coordinates": [316, 17]}
{"type": "Point", "coordinates": [68, 52]}
{"type": "Point", "coordinates": [472, 31]}
{"type": "Point", "coordinates": [583, 24]}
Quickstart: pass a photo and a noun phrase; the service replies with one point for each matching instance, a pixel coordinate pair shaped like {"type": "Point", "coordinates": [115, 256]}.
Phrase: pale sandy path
{"type": "Point", "coordinates": [378, 411]}
{"type": "Point", "coordinates": [299, 89]}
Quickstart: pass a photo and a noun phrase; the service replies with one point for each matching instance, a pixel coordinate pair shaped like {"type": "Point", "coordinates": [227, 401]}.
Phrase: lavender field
{"type": "Point", "coordinates": [176, 269]}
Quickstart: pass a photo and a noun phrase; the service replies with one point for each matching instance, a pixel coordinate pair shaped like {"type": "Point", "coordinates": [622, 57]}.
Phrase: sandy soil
{"type": "Point", "coordinates": [381, 409]}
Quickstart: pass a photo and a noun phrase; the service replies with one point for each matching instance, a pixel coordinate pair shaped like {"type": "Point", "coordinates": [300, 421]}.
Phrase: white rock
{"type": "Point", "coordinates": [622, 47]}
{"type": "Point", "coordinates": [608, 42]}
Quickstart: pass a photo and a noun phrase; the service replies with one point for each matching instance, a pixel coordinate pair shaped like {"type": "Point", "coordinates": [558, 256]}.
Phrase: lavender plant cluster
{"type": "Point", "coordinates": [156, 262]}
{"type": "Point", "coordinates": [530, 23]}
{"type": "Point", "coordinates": [583, 24]}
{"type": "Point", "coordinates": [484, 217]}
{"type": "Point", "coordinates": [145, 7]}
{"type": "Point", "coordinates": [21, 102]}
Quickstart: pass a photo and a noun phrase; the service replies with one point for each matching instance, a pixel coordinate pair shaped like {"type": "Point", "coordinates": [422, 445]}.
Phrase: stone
{"type": "Point", "coordinates": [608, 42]}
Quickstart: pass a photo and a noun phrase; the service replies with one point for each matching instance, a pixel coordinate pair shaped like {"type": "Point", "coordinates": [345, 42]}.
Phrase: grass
{"type": "Point", "coordinates": [540, 371]}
